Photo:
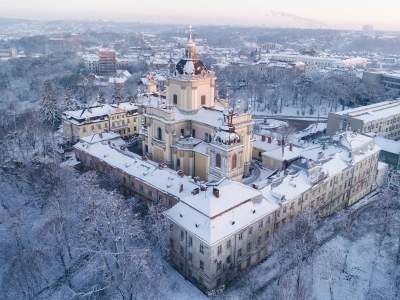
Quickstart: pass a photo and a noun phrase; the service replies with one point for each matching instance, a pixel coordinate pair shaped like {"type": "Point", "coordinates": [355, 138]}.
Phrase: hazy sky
{"type": "Point", "coordinates": [383, 14]}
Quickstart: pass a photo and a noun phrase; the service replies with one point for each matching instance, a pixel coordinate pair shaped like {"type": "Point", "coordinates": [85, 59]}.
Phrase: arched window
{"type": "Point", "coordinates": [175, 99]}
{"type": "Point", "coordinates": [234, 161]}
{"type": "Point", "coordinates": [159, 133]}
{"type": "Point", "coordinates": [218, 160]}
{"type": "Point", "coordinates": [178, 163]}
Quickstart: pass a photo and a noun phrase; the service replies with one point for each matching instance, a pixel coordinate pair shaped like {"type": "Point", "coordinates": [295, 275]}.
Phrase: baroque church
{"type": "Point", "coordinates": [191, 130]}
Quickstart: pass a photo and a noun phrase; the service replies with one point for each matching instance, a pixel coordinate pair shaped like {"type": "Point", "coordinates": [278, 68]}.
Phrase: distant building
{"type": "Point", "coordinates": [92, 63]}
{"type": "Point", "coordinates": [389, 80]}
{"type": "Point", "coordinates": [8, 53]}
{"type": "Point", "coordinates": [381, 119]}
{"type": "Point", "coordinates": [107, 62]}
{"type": "Point", "coordinates": [122, 118]}
{"type": "Point", "coordinates": [390, 152]}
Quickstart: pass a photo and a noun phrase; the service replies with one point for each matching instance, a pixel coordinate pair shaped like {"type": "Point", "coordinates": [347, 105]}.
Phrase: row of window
{"type": "Point", "coordinates": [218, 161]}
{"type": "Point", "coordinates": [175, 99]}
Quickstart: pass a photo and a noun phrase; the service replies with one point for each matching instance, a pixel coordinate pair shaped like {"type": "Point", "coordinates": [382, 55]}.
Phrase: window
{"type": "Point", "coordinates": [159, 133]}
{"type": "Point", "coordinates": [248, 247]}
{"type": "Point", "coordinates": [181, 250]}
{"type": "Point", "coordinates": [171, 227]}
{"type": "Point", "coordinates": [219, 265]}
{"type": "Point", "coordinates": [190, 241]}
{"type": "Point", "coordinates": [105, 125]}
{"type": "Point", "coordinates": [182, 132]}
{"type": "Point", "coordinates": [190, 257]}
{"type": "Point", "coordinates": [234, 160]}
{"type": "Point", "coordinates": [241, 236]}
{"type": "Point", "coordinates": [228, 259]}
{"type": "Point", "coordinates": [175, 99]}
{"type": "Point", "coordinates": [178, 163]}
{"type": "Point", "coordinates": [194, 133]}
{"type": "Point", "coordinates": [228, 244]}
{"type": "Point", "coordinates": [171, 243]}
{"type": "Point", "coordinates": [218, 160]}
{"type": "Point", "coordinates": [201, 249]}
{"type": "Point", "coordinates": [219, 249]}
{"type": "Point", "coordinates": [182, 235]}
{"type": "Point", "coordinates": [201, 265]}
{"type": "Point", "coordinates": [83, 129]}
{"type": "Point", "coordinates": [99, 126]}
{"type": "Point", "coordinates": [206, 137]}
{"type": "Point", "coordinates": [261, 224]}
{"type": "Point", "coordinates": [240, 252]}
{"type": "Point", "coordinates": [203, 100]}
{"type": "Point", "coordinates": [250, 230]}
{"type": "Point", "coordinates": [259, 240]}
{"type": "Point", "coordinates": [266, 235]}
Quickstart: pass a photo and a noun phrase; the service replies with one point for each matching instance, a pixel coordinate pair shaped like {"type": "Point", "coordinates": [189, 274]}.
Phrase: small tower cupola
{"type": "Point", "coordinates": [226, 134]}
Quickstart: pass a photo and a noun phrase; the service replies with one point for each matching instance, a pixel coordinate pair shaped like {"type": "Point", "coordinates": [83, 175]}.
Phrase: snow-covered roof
{"type": "Point", "coordinates": [290, 188]}
{"type": "Point", "coordinates": [388, 145]}
{"type": "Point", "coordinates": [287, 154]}
{"type": "Point", "coordinates": [98, 111]}
{"type": "Point", "coordinates": [231, 194]}
{"type": "Point", "coordinates": [201, 148]}
{"type": "Point", "coordinates": [373, 112]}
{"type": "Point", "coordinates": [212, 219]}
{"type": "Point", "coordinates": [323, 162]}
{"type": "Point", "coordinates": [165, 179]}
{"type": "Point", "coordinates": [101, 137]}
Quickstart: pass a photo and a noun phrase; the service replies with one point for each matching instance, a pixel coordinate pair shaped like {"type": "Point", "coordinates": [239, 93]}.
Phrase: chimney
{"type": "Point", "coordinates": [181, 173]}
{"type": "Point", "coordinates": [279, 142]}
{"type": "Point", "coordinates": [195, 191]}
{"type": "Point", "coordinates": [269, 140]}
{"type": "Point", "coordinates": [290, 147]}
{"type": "Point", "coordinates": [181, 188]}
{"type": "Point", "coordinates": [263, 138]}
{"type": "Point", "coordinates": [216, 192]}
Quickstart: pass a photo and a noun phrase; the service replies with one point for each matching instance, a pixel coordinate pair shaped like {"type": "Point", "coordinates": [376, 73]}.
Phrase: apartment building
{"type": "Point", "coordinates": [122, 118]}
{"type": "Point", "coordinates": [381, 119]}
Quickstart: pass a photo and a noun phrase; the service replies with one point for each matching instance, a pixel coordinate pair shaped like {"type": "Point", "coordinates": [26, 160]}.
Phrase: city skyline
{"type": "Point", "coordinates": [286, 13]}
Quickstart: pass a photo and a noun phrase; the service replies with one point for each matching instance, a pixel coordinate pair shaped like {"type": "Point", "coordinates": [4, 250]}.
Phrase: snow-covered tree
{"type": "Point", "coordinates": [49, 112]}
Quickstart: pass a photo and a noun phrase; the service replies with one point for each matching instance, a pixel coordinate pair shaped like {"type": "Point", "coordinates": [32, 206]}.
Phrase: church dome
{"type": "Point", "coordinates": [226, 136]}
{"type": "Point", "coordinates": [190, 64]}
{"type": "Point", "coordinates": [190, 67]}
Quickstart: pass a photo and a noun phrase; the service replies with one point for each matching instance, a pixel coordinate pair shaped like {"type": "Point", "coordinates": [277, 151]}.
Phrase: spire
{"type": "Point", "coordinates": [190, 33]}
{"type": "Point", "coordinates": [190, 51]}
